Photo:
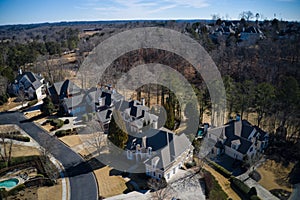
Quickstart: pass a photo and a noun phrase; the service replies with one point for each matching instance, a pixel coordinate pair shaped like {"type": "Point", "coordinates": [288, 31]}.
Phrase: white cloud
{"type": "Point", "coordinates": [190, 3]}
{"type": "Point", "coordinates": [140, 8]}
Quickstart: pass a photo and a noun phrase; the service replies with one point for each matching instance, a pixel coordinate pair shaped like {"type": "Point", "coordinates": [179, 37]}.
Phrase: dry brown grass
{"type": "Point", "coordinates": [71, 140]}
{"type": "Point", "coordinates": [47, 127]}
{"type": "Point", "coordinates": [50, 193]}
{"type": "Point", "coordinates": [27, 194]}
{"type": "Point", "coordinates": [9, 105]}
{"type": "Point", "coordinates": [33, 114]}
{"type": "Point", "coordinates": [20, 150]}
{"type": "Point", "coordinates": [83, 152]}
{"type": "Point", "coordinates": [275, 175]}
{"type": "Point", "coordinates": [109, 185]}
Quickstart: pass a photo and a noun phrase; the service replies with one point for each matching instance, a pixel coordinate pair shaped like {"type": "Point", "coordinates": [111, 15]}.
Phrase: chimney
{"type": "Point", "coordinates": [238, 128]}
{"type": "Point", "coordinates": [143, 101]}
{"type": "Point", "coordinates": [144, 142]}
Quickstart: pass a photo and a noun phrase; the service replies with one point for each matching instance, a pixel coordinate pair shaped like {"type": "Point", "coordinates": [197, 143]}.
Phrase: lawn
{"type": "Point", "coordinates": [20, 150]}
{"type": "Point", "coordinates": [109, 185]}
{"type": "Point", "coordinates": [71, 140]}
{"type": "Point", "coordinates": [49, 193]}
{"type": "Point", "coordinates": [275, 175]}
{"type": "Point", "coordinates": [9, 105]}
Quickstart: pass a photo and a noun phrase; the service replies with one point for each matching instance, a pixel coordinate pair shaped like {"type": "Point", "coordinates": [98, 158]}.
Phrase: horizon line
{"type": "Point", "coordinates": [138, 19]}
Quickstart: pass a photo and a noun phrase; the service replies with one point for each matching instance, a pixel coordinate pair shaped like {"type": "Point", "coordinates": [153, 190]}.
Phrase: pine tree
{"type": "Point", "coordinates": [117, 133]}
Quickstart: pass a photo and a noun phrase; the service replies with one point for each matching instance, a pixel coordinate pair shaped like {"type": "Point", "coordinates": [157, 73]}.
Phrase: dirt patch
{"type": "Point", "coordinates": [49, 193]}
{"type": "Point", "coordinates": [275, 175]}
{"type": "Point", "coordinates": [109, 185]}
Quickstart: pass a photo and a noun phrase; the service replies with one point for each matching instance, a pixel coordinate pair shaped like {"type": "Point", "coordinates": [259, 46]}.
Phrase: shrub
{"type": "Point", "coordinates": [31, 103]}
{"type": "Point", "coordinates": [84, 118]}
{"type": "Point", "coordinates": [90, 116]}
{"type": "Point", "coordinates": [58, 123]}
{"type": "Point", "coordinates": [244, 189]}
{"type": "Point", "coordinates": [240, 185]}
{"type": "Point", "coordinates": [190, 164]}
{"type": "Point", "coordinates": [60, 133]}
{"type": "Point", "coordinates": [254, 197]}
{"type": "Point", "coordinates": [220, 169]}
{"type": "Point", "coordinates": [214, 190]}
{"type": "Point", "coordinates": [67, 121]}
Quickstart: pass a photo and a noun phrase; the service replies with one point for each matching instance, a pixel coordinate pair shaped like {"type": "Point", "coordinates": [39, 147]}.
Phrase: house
{"type": "Point", "coordinates": [30, 83]}
{"type": "Point", "coordinates": [136, 115]}
{"type": "Point", "coordinates": [63, 89]}
{"type": "Point", "coordinates": [238, 139]}
{"type": "Point", "coordinates": [161, 152]}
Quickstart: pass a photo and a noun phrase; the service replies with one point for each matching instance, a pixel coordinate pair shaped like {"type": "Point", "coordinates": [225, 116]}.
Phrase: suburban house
{"type": "Point", "coordinates": [102, 101]}
{"type": "Point", "coordinates": [31, 84]}
{"type": "Point", "coordinates": [68, 95]}
{"type": "Point", "coordinates": [136, 115]}
{"type": "Point", "coordinates": [238, 139]}
{"type": "Point", "coordinates": [62, 90]}
{"type": "Point", "coordinates": [161, 151]}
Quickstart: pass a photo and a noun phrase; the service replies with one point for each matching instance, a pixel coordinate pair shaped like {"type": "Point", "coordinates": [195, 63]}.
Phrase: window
{"type": "Point", "coordinates": [159, 175]}
{"type": "Point", "coordinates": [153, 173]}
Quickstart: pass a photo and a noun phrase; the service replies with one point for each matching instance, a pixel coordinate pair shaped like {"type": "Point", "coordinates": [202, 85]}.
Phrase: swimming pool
{"type": "Point", "coordinates": [9, 183]}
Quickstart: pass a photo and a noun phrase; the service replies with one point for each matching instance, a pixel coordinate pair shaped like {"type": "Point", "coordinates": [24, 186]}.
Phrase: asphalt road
{"type": "Point", "coordinates": [83, 184]}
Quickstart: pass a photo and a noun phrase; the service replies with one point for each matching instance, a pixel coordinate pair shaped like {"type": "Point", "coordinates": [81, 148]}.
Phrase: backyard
{"type": "Point", "coordinates": [275, 175]}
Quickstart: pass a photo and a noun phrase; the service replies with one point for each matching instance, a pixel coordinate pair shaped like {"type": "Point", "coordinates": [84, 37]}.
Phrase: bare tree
{"type": "Point", "coordinates": [161, 190]}
{"type": "Point", "coordinates": [98, 139]}
{"type": "Point", "coordinates": [21, 96]}
{"type": "Point", "coordinates": [5, 149]}
{"type": "Point", "coordinates": [247, 15]}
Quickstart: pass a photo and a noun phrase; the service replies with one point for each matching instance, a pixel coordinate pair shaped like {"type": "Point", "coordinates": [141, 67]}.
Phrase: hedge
{"type": "Point", "coordinates": [62, 133]}
{"type": "Point", "coordinates": [31, 103]}
{"type": "Point", "coordinates": [19, 160]}
{"type": "Point", "coordinates": [213, 189]}
{"type": "Point", "coordinates": [248, 192]}
{"type": "Point", "coordinates": [17, 137]}
{"type": "Point", "coordinates": [220, 169]}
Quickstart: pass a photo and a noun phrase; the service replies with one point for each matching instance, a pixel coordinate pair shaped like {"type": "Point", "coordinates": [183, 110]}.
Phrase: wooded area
{"type": "Point", "coordinates": [261, 77]}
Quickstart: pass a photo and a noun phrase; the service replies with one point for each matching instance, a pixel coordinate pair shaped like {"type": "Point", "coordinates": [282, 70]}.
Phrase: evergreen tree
{"type": "Point", "coordinates": [117, 133]}
{"type": "Point", "coordinates": [47, 107]}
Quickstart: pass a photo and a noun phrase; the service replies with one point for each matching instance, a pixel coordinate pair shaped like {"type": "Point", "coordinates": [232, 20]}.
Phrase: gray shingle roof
{"type": "Point", "coordinates": [32, 79]}
{"type": "Point", "coordinates": [167, 145]}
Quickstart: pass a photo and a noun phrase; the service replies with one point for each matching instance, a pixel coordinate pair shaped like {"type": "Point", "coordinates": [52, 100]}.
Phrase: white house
{"type": "Point", "coordinates": [30, 83]}
{"type": "Point", "coordinates": [161, 151]}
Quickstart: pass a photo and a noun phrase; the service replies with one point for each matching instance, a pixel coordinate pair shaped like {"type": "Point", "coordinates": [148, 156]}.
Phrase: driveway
{"type": "Point", "coordinates": [83, 184]}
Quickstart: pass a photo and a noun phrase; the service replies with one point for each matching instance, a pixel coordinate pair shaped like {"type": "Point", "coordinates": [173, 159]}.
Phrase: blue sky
{"type": "Point", "coordinates": [36, 11]}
